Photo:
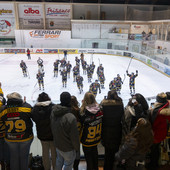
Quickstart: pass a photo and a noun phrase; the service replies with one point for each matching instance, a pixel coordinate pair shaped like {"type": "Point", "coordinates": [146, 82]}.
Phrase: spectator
{"type": "Point", "coordinates": [113, 111]}
{"type": "Point", "coordinates": [76, 111]}
{"type": "Point", "coordinates": [136, 145]}
{"type": "Point", "coordinates": [4, 150]}
{"type": "Point", "coordinates": [65, 133]}
{"type": "Point", "coordinates": [19, 136]}
{"type": "Point", "coordinates": [91, 122]}
{"type": "Point", "coordinates": [136, 108]}
{"type": "Point", "coordinates": [41, 116]}
{"type": "Point", "coordinates": [158, 117]}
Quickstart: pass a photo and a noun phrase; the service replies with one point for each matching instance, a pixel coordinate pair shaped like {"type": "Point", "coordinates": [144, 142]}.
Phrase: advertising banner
{"type": "Point", "coordinates": [69, 51]}
{"type": "Point", "coordinates": [14, 50]}
{"type": "Point", "coordinates": [127, 54]}
{"type": "Point", "coordinates": [7, 10]}
{"type": "Point", "coordinates": [58, 11]}
{"type": "Point", "coordinates": [7, 26]}
{"type": "Point", "coordinates": [38, 50]}
{"type": "Point", "coordinates": [30, 11]}
{"type": "Point", "coordinates": [45, 34]}
{"type": "Point", "coordinates": [50, 50]}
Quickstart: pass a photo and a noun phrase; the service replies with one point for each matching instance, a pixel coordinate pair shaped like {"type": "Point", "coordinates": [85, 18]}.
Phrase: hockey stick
{"type": "Point", "coordinates": [129, 63]}
{"type": "Point", "coordinates": [35, 84]}
{"type": "Point", "coordinates": [99, 61]}
{"type": "Point", "coordinates": [124, 78]}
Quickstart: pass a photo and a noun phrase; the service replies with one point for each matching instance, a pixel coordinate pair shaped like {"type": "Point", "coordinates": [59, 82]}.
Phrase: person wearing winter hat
{"type": "Point", "coordinates": [41, 116]}
{"type": "Point", "coordinates": [159, 115]}
{"type": "Point", "coordinates": [16, 115]}
{"type": "Point", "coordinates": [65, 133]}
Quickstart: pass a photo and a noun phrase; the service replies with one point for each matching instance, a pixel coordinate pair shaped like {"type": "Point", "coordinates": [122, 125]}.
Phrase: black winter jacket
{"type": "Point", "coordinates": [41, 116]}
{"type": "Point", "coordinates": [111, 126]}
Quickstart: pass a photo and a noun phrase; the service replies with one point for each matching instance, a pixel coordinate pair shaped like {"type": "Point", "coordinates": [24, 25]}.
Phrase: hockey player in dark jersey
{"type": "Point", "coordinates": [119, 83]}
{"type": "Point", "coordinates": [79, 80]}
{"type": "Point", "coordinates": [24, 68]}
{"type": "Point", "coordinates": [63, 64]}
{"type": "Point", "coordinates": [76, 71]}
{"type": "Point", "coordinates": [94, 87]}
{"type": "Point", "coordinates": [40, 78]}
{"type": "Point", "coordinates": [77, 61]}
{"type": "Point", "coordinates": [92, 66]}
{"type": "Point", "coordinates": [64, 77]}
{"type": "Point", "coordinates": [132, 81]}
{"type": "Point", "coordinates": [113, 84]}
{"type": "Point", "coordinates": [56, 63]}
{"type": "Point", "coordinates": [99, 70]}
{"type": "Point", "coordinates": [89, 74]}
{"type": "Point", "coordinates": [101, 79]}
{"type": "Point", "coordinates": [84, 66]}
{"type": "Point", "coordinates": [68, 68]}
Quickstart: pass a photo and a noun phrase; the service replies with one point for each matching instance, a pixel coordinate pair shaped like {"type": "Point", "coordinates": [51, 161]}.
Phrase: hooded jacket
{"type": "Point", "coordinates": [41, 116]}
{"type": "Point", "coordinates": [159, 116]}
{"type": "Point", "coordinates": [111, 125]}
{"type": "Point", "coordinates": [64, 129]}
{"type": "Point", "coordinates": [91, 122]}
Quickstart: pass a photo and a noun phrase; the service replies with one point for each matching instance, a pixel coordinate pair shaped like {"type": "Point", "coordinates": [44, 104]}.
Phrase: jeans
{"type": "Point", "coordinates": [65, 160]}
{"type": "Point", "coordinates": [91, 156]}
{"type": "Point", "coordinates": [19, 154]}
{"type": "Point", "coordinates": [47, 148]}
{"type": "Point", "coordinates": [4, 151]}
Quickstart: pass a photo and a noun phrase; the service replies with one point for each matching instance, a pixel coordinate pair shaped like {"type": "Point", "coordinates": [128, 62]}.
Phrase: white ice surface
{"type": "Point", "coordinates": [149, 81]}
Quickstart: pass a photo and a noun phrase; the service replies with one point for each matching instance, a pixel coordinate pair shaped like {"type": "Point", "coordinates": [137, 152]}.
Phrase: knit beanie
{"type": "Point", "coordinates": [161, 98]}
{"type": "Point", "coordinates": [14, 95]}
{"type": "Point", "coordinates": [65, 99]}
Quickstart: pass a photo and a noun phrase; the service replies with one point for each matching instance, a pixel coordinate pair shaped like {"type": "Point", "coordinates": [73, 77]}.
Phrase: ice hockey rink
{"type": "Point", "coordinates": [149, 81]}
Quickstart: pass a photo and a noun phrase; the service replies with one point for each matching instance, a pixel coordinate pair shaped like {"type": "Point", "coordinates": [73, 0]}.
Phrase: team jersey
{"type": "Point", "coordinates": [18, 125]}
{"type": "Point", "coordinates": [56, 65]}
{"type": "Point", "coordinates": [79, 80]}
{"type": "Point", "coordinates": [132, 78]}
{"type": "Point", "coordinates": [68, 67]}
{"type": "Point", "coordinates": [23, 65]}
{"type": "Point", "coordinates": [64, 75]}
{"type": "Point", "coordinates": [76, 70]}
{"type": "Point", "coordinates": [94, 87]}
{"type": "Point", "coordinates": [91, 128]}
{"type": "Point", "coordinates": [39, 61]}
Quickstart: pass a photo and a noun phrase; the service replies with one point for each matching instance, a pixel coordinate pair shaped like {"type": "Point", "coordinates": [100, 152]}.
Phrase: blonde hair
{"type": "Point", "coordinates": [89, 99]}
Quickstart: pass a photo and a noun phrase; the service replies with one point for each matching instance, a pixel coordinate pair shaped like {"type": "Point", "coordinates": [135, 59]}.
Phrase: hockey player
{"type": "Point", "coordinates": [40, 78]}
{"type": "Point", "coordinates": [89, 74]}
{"type": "Point", "coordinates": [79, 80]}
{"type": "Point", "coordinates": [24, 68]}
{"type": "Point", "coordinates": [77, 61]}
{"type": "Point", "coordinates": [101, 79]}
{"type": "Point", "coordinates": [82, 57]}
{"type": "Point", "coordinates": [94, 87]}
{"type": "Point", "coordinates": [64, 77]}
{"type": "Point", "coordinates": [65, 54]}
{"type": "Point", "coordinates": [119, 83]}
{"type": "Point", "coordinates": [28, 54]}
{"type": "Point", "coordinates": [76, 71]}
{"type": "Point", "coordinates": [113, 84]}
{"type": "Point", "coordinates": [56, 63]}
{"type": "Point", "coordinates": [132, 81]}
{"type": "Point", "coordinates": [68, 68]}
{"type": "Point", "coordinates": [99, 70]}
{"type": "Point", "coordinates": [63, 64]}
{"type": "Point", "coordinates": [92, 66]}
{"type": "Point", "coordinates": [84, 65]}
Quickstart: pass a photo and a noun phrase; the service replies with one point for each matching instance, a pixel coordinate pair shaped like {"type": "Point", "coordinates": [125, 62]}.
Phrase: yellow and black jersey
{"type": "Point", "coordinates": [18, 125]}
{"type": "Point", "coordinates": [91, 128]}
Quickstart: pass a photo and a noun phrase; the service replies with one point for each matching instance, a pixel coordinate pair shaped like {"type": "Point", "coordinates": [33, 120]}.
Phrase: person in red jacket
{"type": "Point", "coordinates": [158, 117]}
{"type": "Point", "coordinates": [28, 54]}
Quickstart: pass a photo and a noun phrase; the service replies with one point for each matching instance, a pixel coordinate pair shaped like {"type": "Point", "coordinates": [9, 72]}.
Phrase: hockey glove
{"type": "Point", "coordinates": [99, 91]}
{"type": "Point", "coordinates": [136, 71]}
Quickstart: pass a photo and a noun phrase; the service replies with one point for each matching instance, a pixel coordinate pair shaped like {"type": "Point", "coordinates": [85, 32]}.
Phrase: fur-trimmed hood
{"type": "Point", "coordinates": [45, 103]}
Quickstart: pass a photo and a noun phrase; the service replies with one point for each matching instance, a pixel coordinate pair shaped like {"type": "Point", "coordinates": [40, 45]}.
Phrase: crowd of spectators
{"type": "Point", "coordinates": [129, 134]}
